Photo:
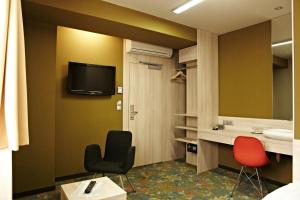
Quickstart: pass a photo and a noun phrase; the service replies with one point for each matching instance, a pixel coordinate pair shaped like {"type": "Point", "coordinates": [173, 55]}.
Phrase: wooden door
{"type": "Point", "coordinates": [145, 107]}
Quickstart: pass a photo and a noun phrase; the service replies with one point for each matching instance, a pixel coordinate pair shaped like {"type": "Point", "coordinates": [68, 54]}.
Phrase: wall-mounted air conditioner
{"type": "Point", "coordinates": [147, 49]}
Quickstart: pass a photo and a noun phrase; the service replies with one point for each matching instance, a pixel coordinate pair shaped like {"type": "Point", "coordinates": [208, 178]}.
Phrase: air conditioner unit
{"type": "Point", "coordinates": [147, 49]}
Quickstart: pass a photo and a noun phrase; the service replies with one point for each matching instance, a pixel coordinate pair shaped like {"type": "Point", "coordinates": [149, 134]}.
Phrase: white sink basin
{"type": "Point", "coordinates": [279, 134]}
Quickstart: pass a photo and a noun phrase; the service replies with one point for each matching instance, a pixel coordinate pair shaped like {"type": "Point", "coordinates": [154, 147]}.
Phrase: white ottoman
{"type": "Point", "coordinates": [105, 189]}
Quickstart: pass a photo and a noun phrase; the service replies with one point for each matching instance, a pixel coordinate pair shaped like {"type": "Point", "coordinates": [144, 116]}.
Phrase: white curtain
{"type": "Point", "coordinates": [13, 93]}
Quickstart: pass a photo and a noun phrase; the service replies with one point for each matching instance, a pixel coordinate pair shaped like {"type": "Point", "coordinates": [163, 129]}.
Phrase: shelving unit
{"type": "Point", "coordinates": [188, 119]}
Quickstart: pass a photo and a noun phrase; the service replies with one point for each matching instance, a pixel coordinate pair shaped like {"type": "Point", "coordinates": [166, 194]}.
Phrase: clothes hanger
{"type": "Point", "coordinates": [179, 76]}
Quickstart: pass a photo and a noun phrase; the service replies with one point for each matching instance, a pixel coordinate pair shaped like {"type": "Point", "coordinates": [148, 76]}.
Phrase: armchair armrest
{"type": "Point", "coordinates": [92, 155]}
{"type": "Point", "coordinates": [129, 160]}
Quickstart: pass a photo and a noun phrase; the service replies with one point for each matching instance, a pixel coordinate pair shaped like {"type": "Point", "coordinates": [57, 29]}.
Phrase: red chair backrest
{"type": "Point", "coordinates": [249, 151]}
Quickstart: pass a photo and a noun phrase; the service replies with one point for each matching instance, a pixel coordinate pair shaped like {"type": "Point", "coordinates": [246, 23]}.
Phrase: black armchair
{"type": "Point", "coordinates": [118, 157]}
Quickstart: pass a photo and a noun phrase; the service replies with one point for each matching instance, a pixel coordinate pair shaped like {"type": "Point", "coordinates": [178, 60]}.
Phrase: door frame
{"type": "Point", "coordinates": [126, 86]}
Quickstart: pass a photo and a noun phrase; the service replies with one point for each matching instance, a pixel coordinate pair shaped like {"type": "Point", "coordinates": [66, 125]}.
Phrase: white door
{"type": "Point", "coordinates": [145, 107]}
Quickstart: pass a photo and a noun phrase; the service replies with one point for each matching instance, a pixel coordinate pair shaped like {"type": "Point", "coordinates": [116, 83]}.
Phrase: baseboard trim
{"type": "Point", "coordinates": [72, 176]}
{"type": "Point", "coordinates": [33, 192]}
{"type": "Point", "coordinates": [277, 183]}
{"type": "Point", "coordinates": [50, 188]}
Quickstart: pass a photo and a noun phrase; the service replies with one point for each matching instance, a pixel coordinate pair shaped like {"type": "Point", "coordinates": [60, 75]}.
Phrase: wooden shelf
{"type": "Point", "coordinates": [186, 140]}
{"type": "Point", "coordinates": [187, 128]}
{"type": "Point", "coordinates": [186, 115]}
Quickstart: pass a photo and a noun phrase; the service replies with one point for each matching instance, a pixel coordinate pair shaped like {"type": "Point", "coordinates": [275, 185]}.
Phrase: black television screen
{"type": "Point", "coordinates": [91, 79]}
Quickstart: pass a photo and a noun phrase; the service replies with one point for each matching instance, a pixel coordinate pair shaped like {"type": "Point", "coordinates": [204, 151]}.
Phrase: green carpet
{"type": "Point", "coordinates": [174, 180]}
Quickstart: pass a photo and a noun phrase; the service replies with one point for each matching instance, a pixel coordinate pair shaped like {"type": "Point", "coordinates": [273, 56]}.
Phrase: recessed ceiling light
{"type": "Point", "coordinates": [278, 8]}
{"type": "Point", "coordinates": [186, 6]}
{"type": "Point", "coordinates": [282, 43]}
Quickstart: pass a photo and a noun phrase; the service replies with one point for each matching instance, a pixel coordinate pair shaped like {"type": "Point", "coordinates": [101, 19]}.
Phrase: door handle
{"type": "Point", "coordinates": [132, 112]}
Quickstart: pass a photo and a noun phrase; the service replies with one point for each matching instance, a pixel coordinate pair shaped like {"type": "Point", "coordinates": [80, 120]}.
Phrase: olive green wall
{"type": "Point", "coordinates": [33, 165]}
{"type": "Point", "coordinates": [245, 82]}
{"type": "Point", "coordinates": [296, 67]}
{"type": "Point", "coordinates": [82, 120]}
{"type": "Point", "coordinates": [245, 72]}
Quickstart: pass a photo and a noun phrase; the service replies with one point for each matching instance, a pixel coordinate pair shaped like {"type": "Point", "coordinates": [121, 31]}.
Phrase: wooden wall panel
{"type": "Point", "coordinates": [207, 93]}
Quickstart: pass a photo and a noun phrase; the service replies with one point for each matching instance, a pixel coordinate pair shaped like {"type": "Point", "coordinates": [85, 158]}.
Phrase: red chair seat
{"type": "Point", "coordinates": [250, 152]}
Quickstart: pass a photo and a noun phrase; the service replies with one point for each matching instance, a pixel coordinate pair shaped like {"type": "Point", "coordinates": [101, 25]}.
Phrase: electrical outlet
{"type": "Point", "coordinates": [119, 105]}
{"type": "Point", "coordinates": [228, 122]}
{"type": "Point", "coordinates": [120, 90]}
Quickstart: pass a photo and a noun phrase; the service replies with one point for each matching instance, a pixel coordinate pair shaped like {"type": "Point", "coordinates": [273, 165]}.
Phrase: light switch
{"type": "Point", "coordinates": [120, 90]}
{"type": "Point", "coordinates": [119, 105]}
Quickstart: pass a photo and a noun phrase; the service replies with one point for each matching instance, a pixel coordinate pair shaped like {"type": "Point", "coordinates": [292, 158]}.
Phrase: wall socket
{"type": "Point", "coordinates": [228, 122]}
{"type": "Point", "coordinates": [119, 105]}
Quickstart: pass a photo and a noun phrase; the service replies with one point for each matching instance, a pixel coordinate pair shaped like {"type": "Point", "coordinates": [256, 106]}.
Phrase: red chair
{"type": "Point", "coordinates": [249, 152]}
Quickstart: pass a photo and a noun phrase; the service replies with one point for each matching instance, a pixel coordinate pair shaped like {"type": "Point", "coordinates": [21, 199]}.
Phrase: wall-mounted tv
{"type": "Point", "coordinates": [89, 79]}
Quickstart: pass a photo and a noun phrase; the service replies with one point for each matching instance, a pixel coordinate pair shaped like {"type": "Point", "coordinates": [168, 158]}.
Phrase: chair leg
{"type": "Point", "coordinates": [121, 181]}
{"type": "Point", "coordinates": [263, 181]}
{"type": "Point", "coordinates": [253, 184]}
{"type": "Point", "coordinates": [238, 181]}
{"type": "Point", "coordinates": [258, 188]}
{"type": "Point", "coordinates": [260, 183]}
{"type": "Point", "coordinates": [132, 186]}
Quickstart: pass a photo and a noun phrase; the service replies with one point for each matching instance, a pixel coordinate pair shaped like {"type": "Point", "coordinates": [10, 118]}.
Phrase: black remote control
{"type": "Point", "coordinates": [89, 187]}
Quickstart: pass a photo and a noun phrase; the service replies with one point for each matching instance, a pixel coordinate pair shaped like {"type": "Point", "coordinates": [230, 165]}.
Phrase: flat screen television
{"type": "Point", "coordinates": [89, 79]}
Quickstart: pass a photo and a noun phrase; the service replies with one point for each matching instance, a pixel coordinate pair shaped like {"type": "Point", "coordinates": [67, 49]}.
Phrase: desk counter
{"type": "Point", "coordinates": [228, 137]}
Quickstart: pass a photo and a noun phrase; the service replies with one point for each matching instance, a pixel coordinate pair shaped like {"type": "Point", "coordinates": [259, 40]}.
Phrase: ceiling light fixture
{"type": "Point", "coordinates": [186, 6]}
{"type": "Point", "coordinates": [282, 43]}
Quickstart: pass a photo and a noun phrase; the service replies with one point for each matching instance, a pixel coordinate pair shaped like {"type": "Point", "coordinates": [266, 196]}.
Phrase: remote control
{"type": "Point", "coordinates": [90, 187]}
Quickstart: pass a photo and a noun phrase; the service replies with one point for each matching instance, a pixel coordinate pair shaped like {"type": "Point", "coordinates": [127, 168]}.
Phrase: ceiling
{"type": "Point", "coordinates": [218, 16]}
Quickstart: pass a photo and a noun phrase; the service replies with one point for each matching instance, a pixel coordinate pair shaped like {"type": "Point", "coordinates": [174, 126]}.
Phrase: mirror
{"type": "Point", "coordinates": [282, 67]}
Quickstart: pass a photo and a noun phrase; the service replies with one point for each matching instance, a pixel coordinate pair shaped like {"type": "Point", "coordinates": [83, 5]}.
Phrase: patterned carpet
{"type": "Point", "coordinates": [174, 180]}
